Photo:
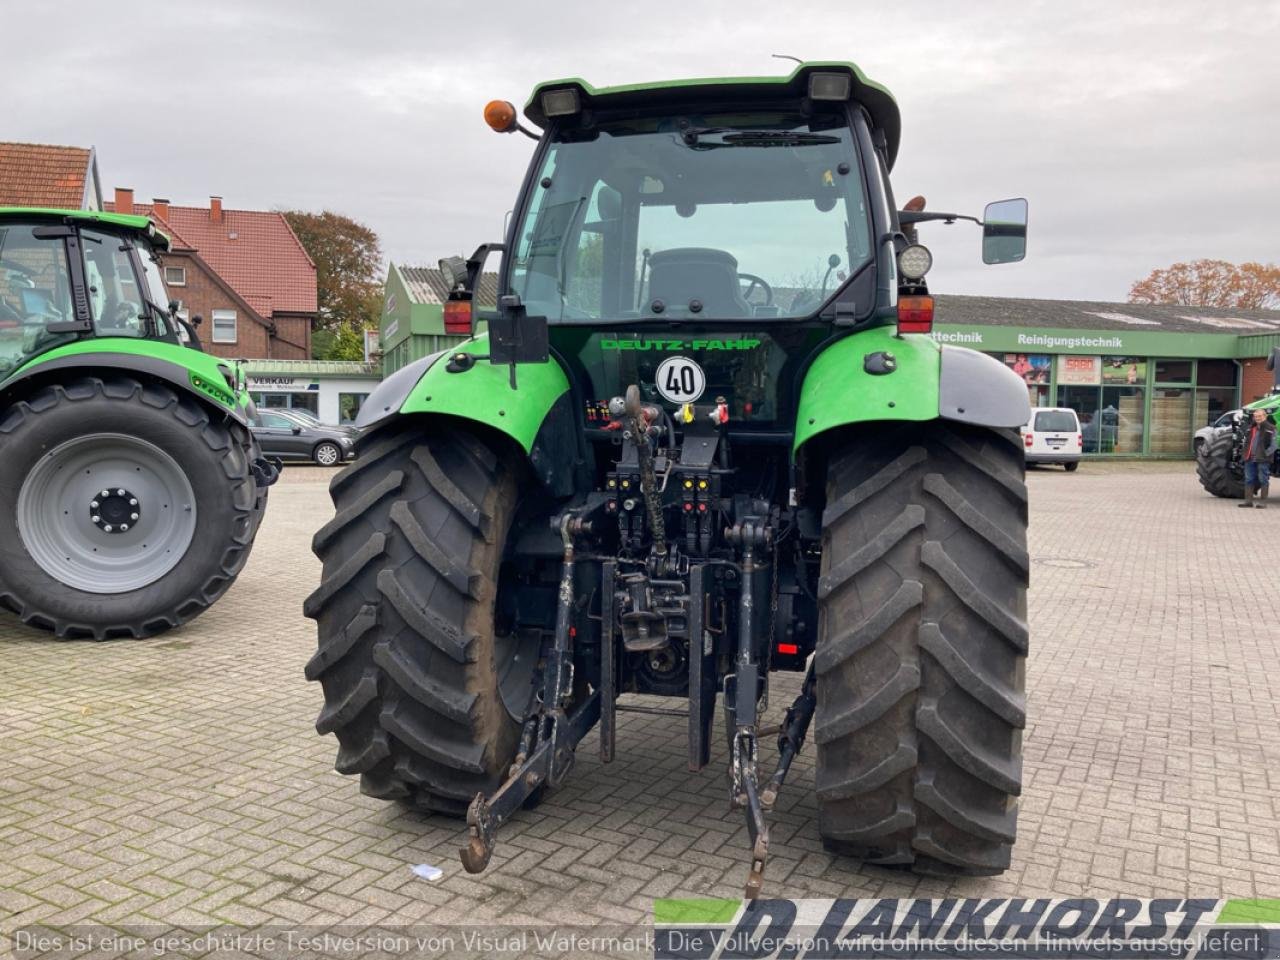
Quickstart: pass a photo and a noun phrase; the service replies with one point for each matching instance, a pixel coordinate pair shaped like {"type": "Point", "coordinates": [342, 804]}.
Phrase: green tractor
{"type": "Point", "coordinates": [707, 437]}
{"type": "Point", "coordinates": [131, 487]}
{"type": "Point", "coordinates": [1220, 456]}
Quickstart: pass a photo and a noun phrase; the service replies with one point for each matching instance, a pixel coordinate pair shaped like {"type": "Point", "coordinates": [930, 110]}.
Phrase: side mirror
{"type": "Point", "coordinates": [296, 430]}
{"type": "Point", "coordinates": [1004, 231]}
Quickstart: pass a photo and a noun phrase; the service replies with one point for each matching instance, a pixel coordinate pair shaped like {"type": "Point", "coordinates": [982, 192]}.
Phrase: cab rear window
{"type": "Point", "coordinates": [1056, 421]}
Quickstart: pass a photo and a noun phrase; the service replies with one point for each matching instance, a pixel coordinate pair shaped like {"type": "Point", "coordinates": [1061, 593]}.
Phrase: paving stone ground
{"type": "Point", "coordinates": [179, 780]}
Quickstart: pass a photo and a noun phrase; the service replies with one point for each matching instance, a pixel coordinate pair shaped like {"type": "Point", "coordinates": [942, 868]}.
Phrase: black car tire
{"type": "Point", "coordinates": [327, 454]}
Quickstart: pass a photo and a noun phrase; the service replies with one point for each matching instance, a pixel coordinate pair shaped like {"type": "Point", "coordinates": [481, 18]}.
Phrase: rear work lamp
{"type": "Point", "coordinates": [560, 103]}
{"type": "Point", "coordinates": [830, 86]}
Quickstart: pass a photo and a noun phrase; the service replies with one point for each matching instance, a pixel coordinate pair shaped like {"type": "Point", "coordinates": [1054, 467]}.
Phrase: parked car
{"type": "Point", "coordinates": [1204, 433]}
{"type": "Point", "coordinates": [291, 437]}
{"type": "Point", "coordinates": [1053, 435]}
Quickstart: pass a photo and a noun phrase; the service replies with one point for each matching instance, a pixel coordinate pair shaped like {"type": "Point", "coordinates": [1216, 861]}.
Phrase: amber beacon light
{"type": "Point", "coordinates": [500, 115]}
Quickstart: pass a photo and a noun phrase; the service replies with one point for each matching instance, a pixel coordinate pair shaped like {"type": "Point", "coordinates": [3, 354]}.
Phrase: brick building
{"type": "Point", "coordinates": [46, 175]}
{"type": "Point", "coordinates": [242, 272]}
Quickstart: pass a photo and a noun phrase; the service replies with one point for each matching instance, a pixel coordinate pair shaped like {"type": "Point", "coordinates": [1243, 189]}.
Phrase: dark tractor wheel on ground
{"type": "Point", "coordinates": [423, 689]}
{"type": "Point", "coordinates": [1071, 467]}
{"type": "Point", "coordinates": [1213, 465]}
{"type": "Point", "coordinates": [327, 454]}
{"type": "Point", "coordinates": [124, 508]}
{"type": "Point", "coordinates": [922, 647]}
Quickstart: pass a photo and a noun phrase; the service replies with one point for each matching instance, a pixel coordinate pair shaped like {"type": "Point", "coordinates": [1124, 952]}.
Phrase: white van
{"type": "Point", "coordinates": [1053, 436]}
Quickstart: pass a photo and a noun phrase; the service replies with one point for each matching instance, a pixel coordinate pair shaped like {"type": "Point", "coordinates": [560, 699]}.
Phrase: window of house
{"type": "Point", "coordinates": [175, 276]}
{"type": "Point", "coordinates": [224, 326]}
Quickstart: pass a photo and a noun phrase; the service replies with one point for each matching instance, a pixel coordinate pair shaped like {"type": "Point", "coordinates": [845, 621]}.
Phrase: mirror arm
{"type": "Point", "coordinates": [475, 263]}
{"type": "Point", "coordinates": [922, 216]}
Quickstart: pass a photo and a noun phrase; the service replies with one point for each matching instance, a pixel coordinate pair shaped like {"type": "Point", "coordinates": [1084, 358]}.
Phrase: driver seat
{"type": "Point", "coordinates": [681, 274]}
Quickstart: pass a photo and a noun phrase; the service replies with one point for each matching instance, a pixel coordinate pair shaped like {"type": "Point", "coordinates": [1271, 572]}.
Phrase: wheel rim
{"type": "Point", "coordinates": [326, 455]}
{"type": "Point", "coordinates": [106, 513]}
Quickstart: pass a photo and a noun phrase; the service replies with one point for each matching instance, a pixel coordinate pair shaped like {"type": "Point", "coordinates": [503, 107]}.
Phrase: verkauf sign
{"type": "Point", "coordinates": [282, 383]}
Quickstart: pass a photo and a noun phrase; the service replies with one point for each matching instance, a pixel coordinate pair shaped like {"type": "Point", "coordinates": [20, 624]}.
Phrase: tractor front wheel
{"type": "Point", "coordinates": [1213, 465]}
{"type": "Point", "coordinates": [424, 687]}
{"type": "Point", "coordinates": [125, 509]}
{"type": "Point", "coordinates": [921, 649]}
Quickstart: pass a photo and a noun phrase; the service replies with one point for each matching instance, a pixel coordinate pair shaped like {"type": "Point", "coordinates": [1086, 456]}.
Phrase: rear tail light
{"type": "Point", "coordinates": [915, 314]}
{"type": "Point", "coordinates": [457, 317]}
{"type": "Point", "coordinates": [1027, 440]}
{"type": "Point", "coordinates": [1080, 440]}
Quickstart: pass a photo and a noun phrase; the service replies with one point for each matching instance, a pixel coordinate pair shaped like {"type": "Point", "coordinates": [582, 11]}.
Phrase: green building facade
{"type": "Point", "coordinates": [412, 324]}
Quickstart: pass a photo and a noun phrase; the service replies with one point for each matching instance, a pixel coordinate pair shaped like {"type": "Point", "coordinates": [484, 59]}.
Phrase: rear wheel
{"type": "Point", "coordinates": [124, 508]}
{"type": "Point", "coordinates": [424, 690]}
{"type": "Point", "coordinates": [1213, 465]}
{"type": "Point", "coordinates": [1072, 466]}
{"type": "Point", "coordinates": [921, 650]}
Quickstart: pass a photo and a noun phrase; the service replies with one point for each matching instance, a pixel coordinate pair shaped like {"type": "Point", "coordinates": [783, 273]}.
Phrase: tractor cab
{"type": "Point", "coordinates": [71, 275]}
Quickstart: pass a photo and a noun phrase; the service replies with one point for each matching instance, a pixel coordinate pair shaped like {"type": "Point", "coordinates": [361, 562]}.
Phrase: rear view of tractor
{"type": "Point", "coordinates": [130, 486]}
{"type": "Point", "coordinates": [1220, 458]}
{"type": "Point", "coordinates": [706, 439]}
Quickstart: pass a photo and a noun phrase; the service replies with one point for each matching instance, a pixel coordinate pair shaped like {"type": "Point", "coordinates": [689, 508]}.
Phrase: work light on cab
{"type": "Point", "coordinates": [560, 103]}
{"type": "Point", "coordinates": [914, 261]}
{"type": "Point", "coordinates": [500, 115]}
{"type": "Point", "coordinates": [830, 86]}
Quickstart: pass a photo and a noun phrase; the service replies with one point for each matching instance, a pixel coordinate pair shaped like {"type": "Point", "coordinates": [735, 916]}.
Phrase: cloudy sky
{"type": "Point", "coordinates": [1142, 133]}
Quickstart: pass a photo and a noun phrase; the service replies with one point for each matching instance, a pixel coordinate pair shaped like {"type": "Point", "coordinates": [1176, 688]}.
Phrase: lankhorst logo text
{"type": "Point", "coordinates": [1045, 927]}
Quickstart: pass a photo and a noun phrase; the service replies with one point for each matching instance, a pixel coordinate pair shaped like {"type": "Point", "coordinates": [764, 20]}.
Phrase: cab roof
{"type": "Point", "coordinates": [127, 220]}
{"type": "Point", "coordinates": [877, 99]}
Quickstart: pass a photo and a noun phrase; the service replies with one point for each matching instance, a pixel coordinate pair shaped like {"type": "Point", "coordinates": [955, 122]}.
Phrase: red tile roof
{"type": "Point", "coordinates": [43, 175]}
{"type": "Point", "coordinates": [254, 251]}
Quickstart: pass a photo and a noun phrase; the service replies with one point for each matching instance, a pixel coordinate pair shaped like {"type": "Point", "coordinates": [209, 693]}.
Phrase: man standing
{"type": "Point", "coordinates": [1259, 448]}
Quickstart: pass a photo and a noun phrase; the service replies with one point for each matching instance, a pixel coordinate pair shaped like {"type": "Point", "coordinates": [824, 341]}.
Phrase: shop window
{"type": "Point", "coordinates": [1033, 368]}
{"type": "Point", "coordinates": [1085, 401]}
{"type": "Point", "coordinates": [1121, 418]}
{"type": "Point", "coordinates": [1171, 426]}
{"type": "Point", "coordinates": [1216, 373]}
{"type": "Point", "coordinates": [1174, 371]}
{"type": "Point", "coordinates": [349, 405]}
{"type": "Point", "coordinates": [1127, 370]}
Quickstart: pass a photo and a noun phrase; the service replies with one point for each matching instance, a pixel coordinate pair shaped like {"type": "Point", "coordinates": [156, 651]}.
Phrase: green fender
{"type": "Point", "coordinates": [186, 369]}
{"type": "Point", "coordinates": [927, 381]}
{"type": "Point", "coordinates": [837, 390]}
{"type": "Point", "coordinates": [483, 392]}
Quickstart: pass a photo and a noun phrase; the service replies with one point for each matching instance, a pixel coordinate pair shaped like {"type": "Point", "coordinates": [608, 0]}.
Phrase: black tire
{"type": "Point", "coordinates": [1071, 467]}
{"type": "Point", "coordinates": [409, 657]}
{"type": "Point", "coordinates": [922, 648]}
{"type": "Point", "coordinates": [327, 454]}
{"type": "Point", "coordinates": [211, 457]}
{"type": "Point", "coordinates": [1213, 465]}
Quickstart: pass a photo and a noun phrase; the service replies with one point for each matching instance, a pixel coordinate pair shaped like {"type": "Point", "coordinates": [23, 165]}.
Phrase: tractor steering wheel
{"type": "Point", "coordinates": [756, 282]}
